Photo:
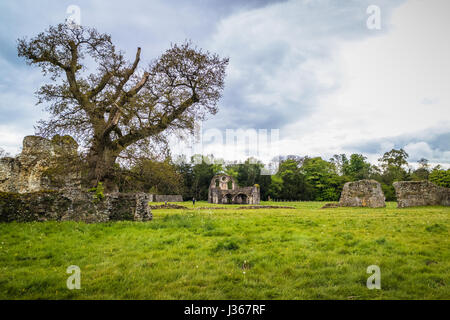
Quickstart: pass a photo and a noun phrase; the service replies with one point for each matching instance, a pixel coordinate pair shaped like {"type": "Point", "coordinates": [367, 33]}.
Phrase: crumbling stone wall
{"type": "Point", "coordinates": [36, 167]}
{"type": "Point", "coordinates": [166, 198]}
{"type": "Point", "coordinates": [362, 193]}
{"type": "Point", "coordinates": [445, 197]}
{"type": "Point", "coordinates": [73, 205]}
{"type": "Point", "coordinates": [128, 206]}
{"type": "Point", "coordinates": [420, 193]}
{"type": "Point", "coordinates": [9, 175]}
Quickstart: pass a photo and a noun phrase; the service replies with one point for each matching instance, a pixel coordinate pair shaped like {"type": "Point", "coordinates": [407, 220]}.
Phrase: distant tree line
{"type": "Point", "coordinates": [298, 178]}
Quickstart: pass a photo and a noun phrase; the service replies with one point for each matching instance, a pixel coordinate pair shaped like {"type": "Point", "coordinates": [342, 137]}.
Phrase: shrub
{"type": "Point", "coordinates": [98, 192]}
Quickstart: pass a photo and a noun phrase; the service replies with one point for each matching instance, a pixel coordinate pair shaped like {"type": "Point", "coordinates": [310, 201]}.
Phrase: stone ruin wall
{"type": "Point", "coordinates": [43, 183]}
{"type": "Point", "coordinates": [28, 172]}
{"type": "Point", "coordinates": [362, 193]}
{"type": "Point", "coordinates": [74, 205]}
{"type": "Point", "coordinates": [420, 193]}
{"type": "Point", "coordinates": [445, 200]}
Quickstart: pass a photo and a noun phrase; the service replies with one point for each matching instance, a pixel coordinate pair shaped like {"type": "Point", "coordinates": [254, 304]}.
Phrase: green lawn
{"type": "Point", "coordinates": [302, 253]}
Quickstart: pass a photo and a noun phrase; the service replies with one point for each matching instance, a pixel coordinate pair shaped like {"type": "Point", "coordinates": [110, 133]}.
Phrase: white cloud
{"type": "Point", "coordinates": [281, 59]}
{"type": "Point", "coordinates": [383, 84]}
{"type": "Point", "coordinates": [419, 150]}
{"type": "Point", "coordinates": [11, 138]}
{"type": "Point", "coordinates": [334, 91]}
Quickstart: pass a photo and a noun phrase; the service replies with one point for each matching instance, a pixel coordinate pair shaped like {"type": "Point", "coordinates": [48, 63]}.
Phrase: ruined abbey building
{"type": "Point", "coordinates": [224, 190]}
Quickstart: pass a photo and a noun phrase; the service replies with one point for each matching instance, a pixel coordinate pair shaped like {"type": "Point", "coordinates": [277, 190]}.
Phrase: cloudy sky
{"type": "Point", "coordinates": [310, 68]}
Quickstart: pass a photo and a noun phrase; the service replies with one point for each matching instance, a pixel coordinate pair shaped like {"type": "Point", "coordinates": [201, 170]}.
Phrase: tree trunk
{"type": "Point", "coordinates": [101, 162]}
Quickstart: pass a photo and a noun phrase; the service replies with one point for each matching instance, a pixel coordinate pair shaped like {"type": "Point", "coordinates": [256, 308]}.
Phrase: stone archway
{"type": "Point", "coordinates": [240, 199]}
{"type": "Point", "coordinates": [227, 199]}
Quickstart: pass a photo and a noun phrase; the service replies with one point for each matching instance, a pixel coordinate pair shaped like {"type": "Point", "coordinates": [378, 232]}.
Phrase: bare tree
{"type": "Point", "coordinates": [121, 106]}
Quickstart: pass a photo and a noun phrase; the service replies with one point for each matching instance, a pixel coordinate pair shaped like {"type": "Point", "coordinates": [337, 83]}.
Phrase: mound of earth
{"type": "Point", "coordinates": [330, 205]}
{"type": "Point", "coordinates": [167, 206]}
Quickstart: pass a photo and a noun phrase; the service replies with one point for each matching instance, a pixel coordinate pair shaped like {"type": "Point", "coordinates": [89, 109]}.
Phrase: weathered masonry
{"type": "Point", "coordinates": [43, 183]}
{"type": "Point", "coordinates": [36, 168]}
{"type": "Point", "coordinates": [362, 193]}
{"type": "Point", "coordinates": [224, 190]}
{"type": "Point", "coordinates": [73, 205]}
{"type": "Point", "coordinates": [420, 193]}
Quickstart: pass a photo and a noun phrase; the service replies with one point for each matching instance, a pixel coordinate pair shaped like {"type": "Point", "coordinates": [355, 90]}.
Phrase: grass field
{"type": "Point", "coordinates": [302, 253]}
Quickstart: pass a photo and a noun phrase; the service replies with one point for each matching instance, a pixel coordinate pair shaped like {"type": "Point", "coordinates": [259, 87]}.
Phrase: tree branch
{"type": "Point", "coordinates": [71, 75]}
{"type": "Point", "coordinates": [127, 75]}
{"type": "Point", "coordinates": [103, 82]}
{"type": "Point", "coordinates": [117, 111]}
{"type": "Point", "coordinates": [165, 121]}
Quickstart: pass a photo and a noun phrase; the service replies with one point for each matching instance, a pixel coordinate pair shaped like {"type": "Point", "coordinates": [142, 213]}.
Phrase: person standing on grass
{"type": "Point", "coordinates": [193, 202]}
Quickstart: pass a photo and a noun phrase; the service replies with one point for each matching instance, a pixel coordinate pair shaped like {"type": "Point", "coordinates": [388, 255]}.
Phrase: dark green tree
{"type": "Point", "coordinates": [203, 172]}
{"type": "Point", "coordinates": [357, 168]}
{"type": "Point", "coordinates": [423, 171]}
{"type": "Point", "coordinates": [294, 186]}
{"type": "Point", "coordinates": [440, 176]}
{"type": "Point", "coordinates": [393, 166]}
{"type": "Point", "coordinates": [340, 161]}
{"type": "Point", "coordinates": [249, 174]}
{"type": "Point", "coordinates": [321, 176]}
